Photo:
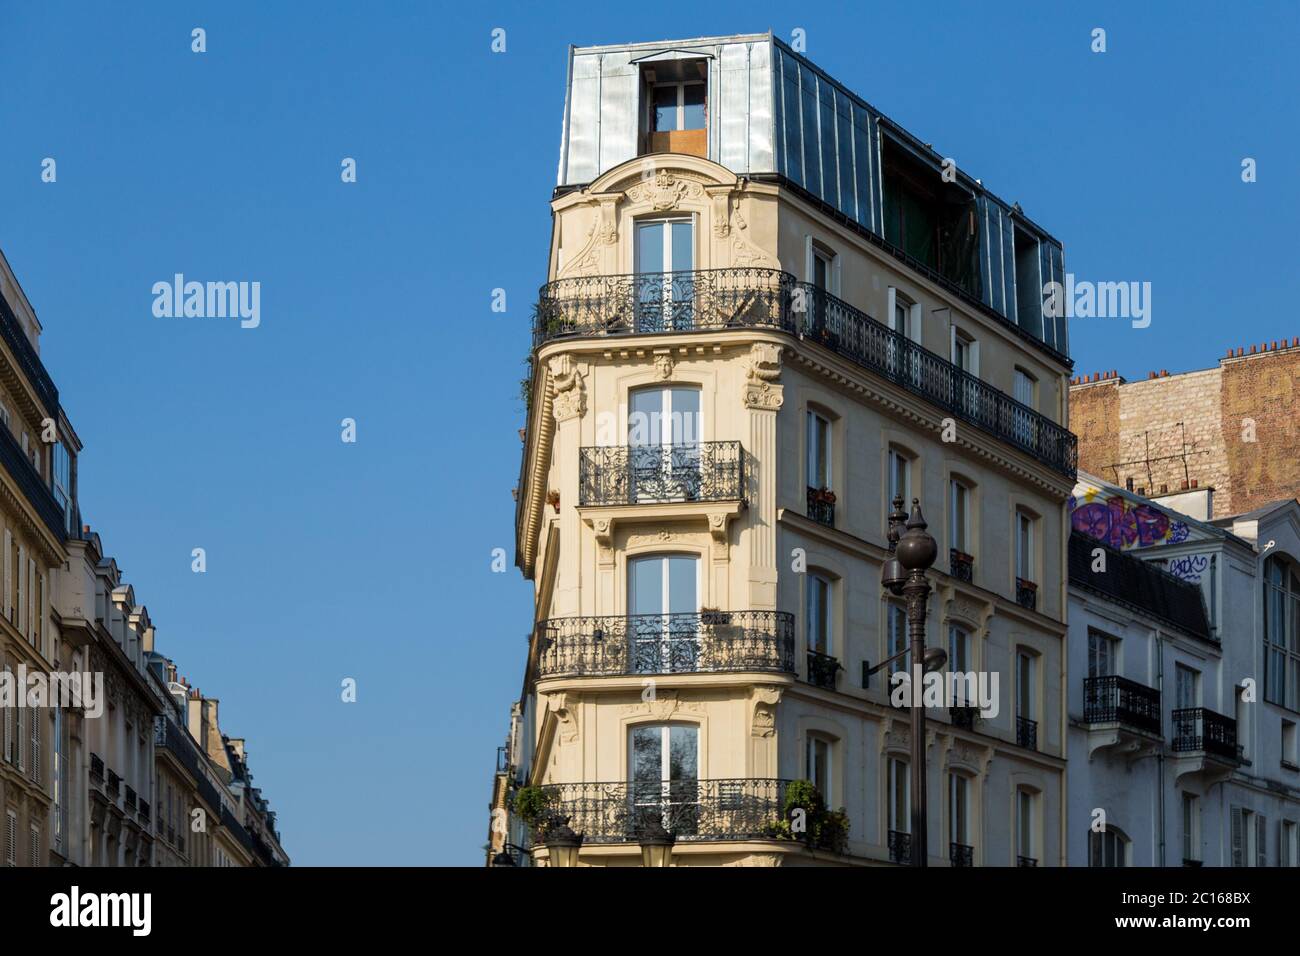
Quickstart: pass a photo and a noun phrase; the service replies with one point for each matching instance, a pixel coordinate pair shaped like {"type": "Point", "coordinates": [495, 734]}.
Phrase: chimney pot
{"type": "Point", "coordinates": [1164, 489]}
{"type": "Point", "coordinates": [1183, 486]}
{"type": "Point", "coordinates": [1195, 482]}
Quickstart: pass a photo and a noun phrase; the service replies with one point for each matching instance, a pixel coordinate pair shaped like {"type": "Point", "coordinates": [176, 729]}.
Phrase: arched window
{"type": "Point", "coordinates": [1108, 847]}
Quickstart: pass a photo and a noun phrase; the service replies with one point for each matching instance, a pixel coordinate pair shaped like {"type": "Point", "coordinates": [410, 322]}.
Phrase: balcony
{"type": "Point", "coordinates": [145, 816]}
{"type": "Point", "coordinates": [960, 854]}
{"type": "Point", "coordinates": [961, 565]}
{"type": "Point", "coordinates": [130, 800]}
{"type": "Point", "coordinates": [753, 298]}
{"type": "Point", "coordinates": [694, 810]}
{"type": "Point", "coordinates": [900, 847]}
{"type": "Point", "coordinates": [700, 642]}
{"type": "Point", "coordinates": [30, 483]}
{"type": "Point", "coordinates": [113, 786]}
{"type": "Point", "coordinates": [1201, 730]}
{"type": "Point", "coordinates": [822, 669]}
{"type": "Point", "coordinates": [503, 760]}
{"type": "Point", "coordinates": [1027, 733]}
{"type": "Point", "coordinates": [640, 474]}
{"type": "Point", "coordinates": [1120, 713]}
{"type": "Point", "coordinates": [96, 769]}
{"type": "Point", "coordinates": [821, 506]}
{"type": "Point", "coordinates": [1026, 594]}
{"type": "Point", "coordinates": [29, 363]}
{"type": "Point", "coordinates": [1026, 861]}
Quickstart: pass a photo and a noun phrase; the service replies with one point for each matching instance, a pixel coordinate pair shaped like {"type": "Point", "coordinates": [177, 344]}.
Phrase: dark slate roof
{"type": "Point", "coordinates": [1140, 585]}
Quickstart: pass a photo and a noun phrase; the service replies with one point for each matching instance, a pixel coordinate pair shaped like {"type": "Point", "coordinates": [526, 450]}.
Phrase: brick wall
{"type": "Point", "coordinates": [1167, 429]}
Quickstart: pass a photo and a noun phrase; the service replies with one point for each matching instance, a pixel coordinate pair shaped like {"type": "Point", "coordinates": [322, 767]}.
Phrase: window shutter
{"type": "Point", "coordinates": [891, 305]}
{"type": "Point", "coordinates": [809, 266]}
{"type": "Point", "coordinates": [36, 847]}
{"type": "Point", "coordinates": [1238, 857]}
{"type": "Point", "coordinates": [9, 574]}
{"type": "Point", "coordinates": [11, 839]}
{"type": "Point", "coordinates": [36, 747]}
{"type": "Point", "coordinates": [9, 731]}
{"type": "Point", "coordinates": [913, 331]}
{"type": "Point", "coordinates": [21, 613]}
{"type": "Point", "coordinates": [31, 602]}
{"type": "Point", "coordinates": [18, 737]}
{"type": "Point", "coordinates": [1261, 840]}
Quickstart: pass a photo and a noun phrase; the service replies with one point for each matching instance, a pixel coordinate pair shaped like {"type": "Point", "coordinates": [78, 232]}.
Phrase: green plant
{"type": "Point", "coordinates": [533, 804]}
{"type": "Point", "coordinates": [806, 819]}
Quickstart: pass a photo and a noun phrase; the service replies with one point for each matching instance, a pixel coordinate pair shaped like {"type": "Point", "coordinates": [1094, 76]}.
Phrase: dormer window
{"type": "Point", "coordinates": [675, 114]}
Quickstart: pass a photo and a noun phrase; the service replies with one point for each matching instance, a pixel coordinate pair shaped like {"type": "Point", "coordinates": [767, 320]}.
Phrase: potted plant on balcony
{"type": "Point", "coordinates": [533, 805]}
{"type": "Point", "coordinates": [807, 819]}
{"type": "Point", "coordinates": [713, 616]}
{"type": "Point", "coordinates": [823, 496]}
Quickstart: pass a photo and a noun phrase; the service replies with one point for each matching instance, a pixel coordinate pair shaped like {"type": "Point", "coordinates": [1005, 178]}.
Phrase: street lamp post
{"type": "Point", "coordinates": [912, 554]}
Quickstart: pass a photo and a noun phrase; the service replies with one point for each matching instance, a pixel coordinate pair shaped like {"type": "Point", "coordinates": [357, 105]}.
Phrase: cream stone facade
{"type": "Point", "coordinates": [703, 607]}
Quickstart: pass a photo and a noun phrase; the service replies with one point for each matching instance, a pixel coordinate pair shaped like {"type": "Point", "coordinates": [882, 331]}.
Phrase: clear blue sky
{"type": "Point", "coordinates": [372, 560]}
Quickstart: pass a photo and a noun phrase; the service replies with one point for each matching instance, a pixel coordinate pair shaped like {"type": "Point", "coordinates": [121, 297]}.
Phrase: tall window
{"type": "Point", "coordinates": [1025, 686]}
{"type": "Point", "coordinates": [958, 649]}
{"type": "Point", "coordinates": [1281, 633]}
{"type": "Point", "coordinates": [1107, 848]}
{"type": "Point", "coordinates": [1024, 388]}
{"type": "Point", "coordinates": [900, 476]}
{"type": "Point", "coordinates": [1287, 844]}
{"type": "Point", "coordinates": [819, 613]}
{"type": "Point", "coordinates": [1102, 649]}
{"type": "Point", "coordinates": [665, 289]}
{"type": "Point", "coordinates": [959, 515]}
{"type": "Point", "coordinates": [664, 430]}
{"type": "Point", "coordinates": [63, 483]}
{"type": "Point", "coordinates": [819, 451]}
{"type": "Point", "coordinates": [1191, 828]}
{"type": "Point", "coordinates": [1186, 686]}
{"type": "Point", "coordinates": [959, 809]}
{"type": "Point", "coordinates": [664, 771]}
{"type": "Point", "coordinates": [59, 815]}
{"type": "Point", "coordinates": [900, 801]}
{"type": "Point", "coordinates": [1026, 828]}
{"type": "Point", "coordinates": [1249, 838]}
{"type": "Point", "coordinates": [819, 765]}
{"type": "Point", "coordinates": [1025, 546]}
{"type": "Point", "coordinates": [662, 591]}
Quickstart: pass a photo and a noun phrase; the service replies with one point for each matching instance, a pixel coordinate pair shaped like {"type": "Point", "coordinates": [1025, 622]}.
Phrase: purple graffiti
{"type": "Point", "coordinates": [1124, 527]}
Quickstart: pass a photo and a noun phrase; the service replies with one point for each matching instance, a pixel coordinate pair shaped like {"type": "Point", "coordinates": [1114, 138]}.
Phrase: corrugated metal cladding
{"type": "Point", "coordinates": [770, 111]}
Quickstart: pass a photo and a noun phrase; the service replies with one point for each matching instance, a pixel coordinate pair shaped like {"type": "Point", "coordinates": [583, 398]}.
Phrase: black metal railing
{"type": "Point", "coordinates": [145, 813]}
{"type": "Point", "coordinates": [1027, 733]}
{"type": "Point", "coordinates": [113, 785]}
{"type": "Point", "coordinates": [1026, 861]}
{"type": "Point", "coordinates": [743, 298]}
{"type": "Point", "coordinates": [1026, 593]}
{"type": "Point", "coordinates": [34, 487]}
{"type": "Point", "coordinates": [28, 361]}
{"type": "Point", "coordinates": [129, 799]}
{"type": "Point", "coordinates": [1201, 729]}
{"type": "Point", "coordinates": [963, 717]}
{"type": "Point", "coordinates": [503, 760]}
{"type": "Point", "coordinates": [694, 810]}
{"type": "Point", "coordinates": [961, 565]}
{"type": "Point", "coordinates": [900, 846]}
{"type": "Point", "coordinates": [685, 643]}
{"type": "Point", "coordinates": [822, 669]}
{"type": "Point", "coordinates": [821, 506]}
{"type": "Point", "coordinates": [959, 854]}
{"type": "Point", "coordinates": [639, 474]}
{"type": "Point", "coordinates": [96, 768]}
{"type": "Point", "coordinates": [1115, 699]}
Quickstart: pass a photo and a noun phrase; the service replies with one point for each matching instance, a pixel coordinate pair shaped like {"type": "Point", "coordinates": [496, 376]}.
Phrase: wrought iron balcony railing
{"type": "Point", "coordinates": [1026, 593]}
{"type": "Point", "coordinates": [28, 361]}
{"type": "Point", "coordinates": [113, 786]}
{"type": "Point", "coordinates": [96, 768]}
{"type": "Point", "coordinates": [747, 298]}
{"type": "Point", "coordinates": [34, 487]}
{"type": "Point", "coordinates": [129, 799]}
{"type": "Point", "coordinates": [822, 669]}
{"type": "Point", "coordinates": [1201, 729]}
{"type": "Point", "coordinates": [640, 474]}
{"type": "Point", "coordinates": [686, 643]}
{"type": "Point", "coordinates": [145, 813]}
{"type": "Point", "coordinates": [1027, 733]}
{"type": "Point", "coordinates": [961, 565]}
{"type": "Point", "coordinates": [1026, 861]}
{"type": "Point", "coordinates": [959, 854]}
{"type": "Point", "coordinates": [900, 846]}
{"type": "Point", "coordinates": [694, 810]}
{"type": "Point", "coordinates": [1120, 700]}
{"type": "Point", "coordinates": [821, 506]}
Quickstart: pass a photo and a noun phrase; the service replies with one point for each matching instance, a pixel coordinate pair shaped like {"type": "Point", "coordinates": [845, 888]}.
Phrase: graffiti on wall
{"type": "Point", "coordinates": [1189, 567]}
{"type": "Point", "coordinates": [1123, 524]}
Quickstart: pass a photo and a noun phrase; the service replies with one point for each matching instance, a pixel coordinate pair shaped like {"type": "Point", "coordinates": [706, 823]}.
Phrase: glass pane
{"type": "Point", "coordinates": [650, 247]}
{"type": "Point", "coordinates": [665, 108]}
{"type": "Point", "coordinates": [646, 582]}
{"type": "Point", "coordinates": [682, 577]}
{"type": "Point", "coordinates": [684, 753]}
{"type": "Point", "coordinates": [647, 754]}
{"type": "Point", "coordinates": [683, 247]}
{"type": "Point", "coordinates": [644, 419]}
{"type": "Point", "coordinates": [685, 416]}
{"type": "Point", "coordinates": [693, 106]}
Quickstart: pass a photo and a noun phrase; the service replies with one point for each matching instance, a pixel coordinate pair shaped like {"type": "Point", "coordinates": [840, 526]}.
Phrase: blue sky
{"type": "Point", "coordinates": [372, 560]}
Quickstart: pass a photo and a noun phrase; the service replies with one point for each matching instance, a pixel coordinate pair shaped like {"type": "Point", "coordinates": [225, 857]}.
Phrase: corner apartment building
{"type": "Point", "coordinates": [769, 310]}
{"type": "Point", "coordinates": [1185, 676]}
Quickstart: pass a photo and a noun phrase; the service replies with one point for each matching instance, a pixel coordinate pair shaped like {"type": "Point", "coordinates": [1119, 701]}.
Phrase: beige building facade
{"type": "Point", "coordinates": [731, 381]}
